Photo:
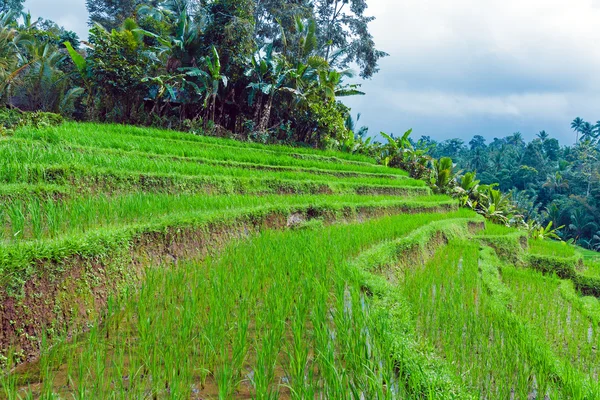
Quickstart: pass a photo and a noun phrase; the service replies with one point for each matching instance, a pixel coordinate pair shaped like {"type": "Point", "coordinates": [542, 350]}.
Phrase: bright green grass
{"type": "Point", "coordinates": [37, 219]}
{"type": "Point", "coordinates": [144, 132]}
{"type": "Point", "coordinates": [492, 229]}
{"type": "Point", "coordinates": [271, 316]}
{"type": "Point", "coordinates": [107, 139]}
{"type": "Point", "coordinates": [34, 161]}
{"type": "Point", "coordinates": [572, 335]}
{"type": "Point", "coordinates": [551, 248]}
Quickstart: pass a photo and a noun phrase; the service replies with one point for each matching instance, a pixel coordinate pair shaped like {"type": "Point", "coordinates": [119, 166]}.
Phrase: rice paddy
{"type": "Point", "coordinates": [141, 263]}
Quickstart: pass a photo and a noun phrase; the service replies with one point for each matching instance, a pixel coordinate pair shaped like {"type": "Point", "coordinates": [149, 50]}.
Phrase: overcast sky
{"type": "Point", "coordinates": [464, 67]}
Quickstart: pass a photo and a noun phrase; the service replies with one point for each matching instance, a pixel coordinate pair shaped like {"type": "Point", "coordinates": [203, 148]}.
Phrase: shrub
{"type": "Point", "coordinates": [11, 119]}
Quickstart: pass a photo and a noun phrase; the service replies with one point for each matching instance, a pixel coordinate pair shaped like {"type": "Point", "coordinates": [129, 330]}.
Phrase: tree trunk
{"type": "Point", "coordinates": [264, 121]}
{"type": "Point", "coordinates": [257, 111]}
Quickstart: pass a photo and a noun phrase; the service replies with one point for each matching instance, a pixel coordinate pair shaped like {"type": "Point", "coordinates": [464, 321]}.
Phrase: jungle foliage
{"type": "Point", "coordinates": [260, 71]}
{"type": "Point", "coordinates": [552, 186]}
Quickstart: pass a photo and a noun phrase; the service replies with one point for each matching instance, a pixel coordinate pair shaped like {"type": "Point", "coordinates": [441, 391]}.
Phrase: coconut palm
{"type": "Point", "coordinates": [587, 131]}
{"type": "Point", "coordinates": [556, 183]}
{"type": "Point", "coordinates": [9, 55]}
{"type": "Point", "coordinates": [43, 82]}
{"type": "Point", "coordinates": [576, 125]}
{"type": "Point", "coordinates": [597, 129]}
{"type": "Point", "coordinates": [543, 135]}
{"type": "Point", "coordinates": [516, 139]}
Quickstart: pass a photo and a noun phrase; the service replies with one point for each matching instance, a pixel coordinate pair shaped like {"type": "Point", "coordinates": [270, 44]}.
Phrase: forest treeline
{"type": "Point", "coordinates": [547, 182]}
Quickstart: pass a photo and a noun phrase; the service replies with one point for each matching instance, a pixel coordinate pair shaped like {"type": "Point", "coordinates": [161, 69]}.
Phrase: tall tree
{"type": "Point", "coordinates": [274, 17]}
{"type": "Point", "coordinates": [112, 13]}
{"type": "Point", "coordinates": [576, 125]}
{"type": "Point", "coordinates": [587, 131]}
{"type": "Point", "coordinates": [344, 35]}
{"type": "Point", "coordinates": [478, 142]}
{"type": "Point", "coordinates": [14, 6]}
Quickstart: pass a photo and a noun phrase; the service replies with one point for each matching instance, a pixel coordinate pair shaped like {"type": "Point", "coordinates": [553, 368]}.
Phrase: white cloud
{"type": "Point", "coordinates": [503, 60]}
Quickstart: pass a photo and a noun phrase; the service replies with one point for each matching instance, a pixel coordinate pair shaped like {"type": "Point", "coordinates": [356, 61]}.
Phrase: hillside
{"type": "Point", "coordinates": [143, 263]}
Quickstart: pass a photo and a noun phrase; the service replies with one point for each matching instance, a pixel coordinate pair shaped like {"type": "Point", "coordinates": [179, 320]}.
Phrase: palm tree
{"type": "Point", "coordinates": [556, 182]}
{"type": "Point", "coordinates": [597, 129]}
{"type": "Point", "coordinates": [44, 83]}
{"type": "Point", "coordinates": [576, 125]}
{"type": "Point", "coordinates": [543, 136]}
{"type": "Point", "coordinates": [553, 213]}
{"type": "Point", "coordinates": [12, 64]}
{"type": "Point", "coordinates": [587, 131]}
{"type": "Point", "coordinates": [580, 223]}
{"type": "Point", "coordinates": [516, 139]}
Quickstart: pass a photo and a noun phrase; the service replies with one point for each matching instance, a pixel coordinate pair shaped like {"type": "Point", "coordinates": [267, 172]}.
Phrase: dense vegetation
{"type": "Point", "coordinates": [138, 262]}
{"type": "Point", "coordinates": [266, 71]}
{"type": "Point", "coordinates": [548, 182]}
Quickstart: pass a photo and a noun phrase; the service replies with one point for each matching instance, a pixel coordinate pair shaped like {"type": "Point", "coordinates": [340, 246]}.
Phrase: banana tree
{"type": "Point", "coordinates": [331, 82]}
{"type": "Point", "coordinates": [271, 76]}
{"type": "Point", "coordinates": [539, 232]}
{"type": "Point", "coordinates": [497, 207]}
{"type": "Point", "coordinates": [442, 175]}
{"type": "Point", "coordinates": [81, 65]}
{"type": "Point", "coordinates": [467, 190]}
{"type": "Point", "coordinates": [178, 49]}
{"type": "Point", "coordinates": [210, 81]}
{"type": "Point", "coordinates": [167, 90]}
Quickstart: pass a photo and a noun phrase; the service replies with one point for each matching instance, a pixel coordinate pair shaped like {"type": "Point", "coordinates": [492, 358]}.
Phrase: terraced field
{"type": "Point", "coordinates": [150, 264]}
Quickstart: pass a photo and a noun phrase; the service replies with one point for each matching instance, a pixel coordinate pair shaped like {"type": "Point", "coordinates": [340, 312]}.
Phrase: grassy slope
{"type": "Point", "coordinates": [357, 300]}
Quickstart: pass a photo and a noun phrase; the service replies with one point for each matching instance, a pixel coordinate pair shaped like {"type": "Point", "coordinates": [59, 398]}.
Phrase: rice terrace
{"type": "Point", "coordinates": [147, 263]}
{"type": "Point", "coordinates": [188, 210]}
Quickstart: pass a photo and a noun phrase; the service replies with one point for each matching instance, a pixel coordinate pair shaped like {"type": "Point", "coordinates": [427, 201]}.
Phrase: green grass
{"type": "Point", "coordinates": [551, 248]}
{"type": "Point", "coordinates": [89, 137]}
{"type": "Point", "coordinates": [34, 219]}
{"type": "Point", "coordinates": [152, 133]}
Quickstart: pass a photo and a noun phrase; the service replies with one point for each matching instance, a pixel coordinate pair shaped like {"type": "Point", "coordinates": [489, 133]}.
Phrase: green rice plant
{"type": "Point", "coordinates": [108, 139]}
{"type": "Point", "coordinates": [551, 248]}
{"type": "Point", "coordinates": [17, 220]}
{"type": "Point", "coordinates": [539, 300]}
{"type": "Point", "coordinates": [151, 133]}
{"type": "Point", "coordinates": [476, 337]}
{"type": "Point", "coordinates": [234, 315]}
